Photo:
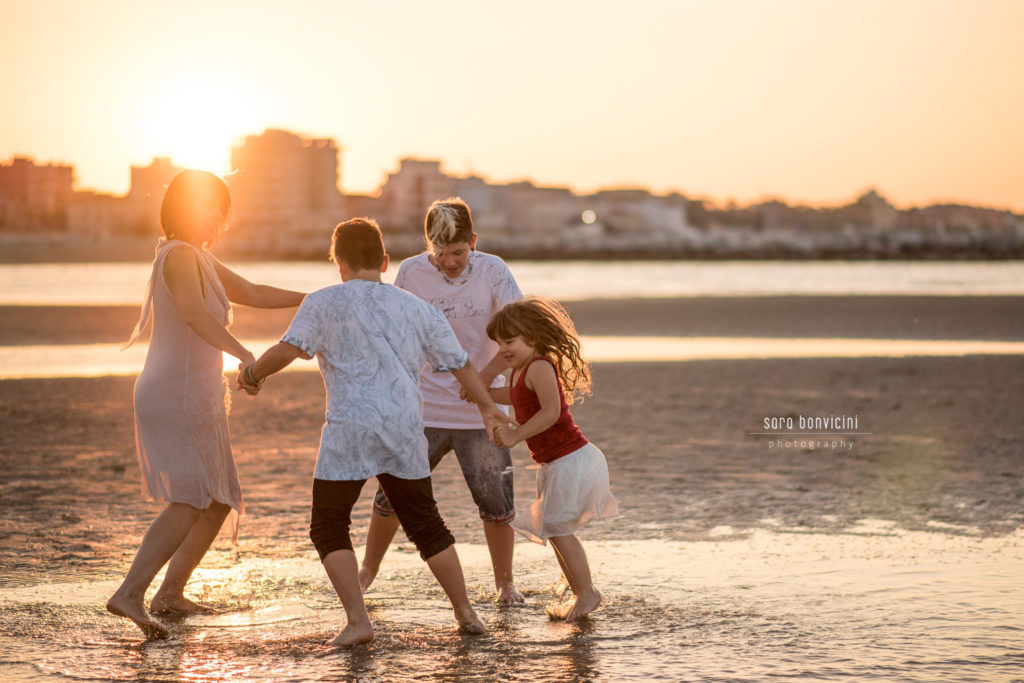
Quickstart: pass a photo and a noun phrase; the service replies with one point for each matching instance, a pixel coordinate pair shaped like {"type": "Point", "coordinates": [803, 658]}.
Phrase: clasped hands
{"type": "Point", "coordinates": [245, 379]}
{"type": "Point", "coordinates": [501, 428]}
{"type": "Point", "coordinates": [504, 435]}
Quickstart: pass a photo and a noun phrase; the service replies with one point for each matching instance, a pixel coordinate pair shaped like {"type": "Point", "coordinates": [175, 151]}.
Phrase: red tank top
{"type": "Point", "coordinates": [561, 438]}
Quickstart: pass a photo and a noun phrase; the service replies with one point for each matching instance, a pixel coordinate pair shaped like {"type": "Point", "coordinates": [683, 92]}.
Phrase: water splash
{"type": "Point", "coordinates": [871, 602]}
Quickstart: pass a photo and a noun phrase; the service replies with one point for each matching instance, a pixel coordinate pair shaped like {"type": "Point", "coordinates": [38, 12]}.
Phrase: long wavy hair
{"type": "Point", "coordinates": [544, 325]}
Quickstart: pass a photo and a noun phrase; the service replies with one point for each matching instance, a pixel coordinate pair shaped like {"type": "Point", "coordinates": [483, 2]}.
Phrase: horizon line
{"type": "Point", "coordinates": [711, 202]}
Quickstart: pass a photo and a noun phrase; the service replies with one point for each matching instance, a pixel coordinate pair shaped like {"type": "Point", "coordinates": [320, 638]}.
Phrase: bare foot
{"type": "Point", "coordinates": [136, 611]}
{"type": "Point", "coordinates": [177, 605]}
{"type": "Point", "coordinates": [558, 611]}
{"type": "Point", "coordinates": [510, 595]}
{"type": "Point", "coordinates": [469, 623]}
{"type": "Point", "coordinates": [472, 628]}
{"type": "Point", "coordinates": [354, 634]}
{"type": "Point", "coordinates": [585, 604]}
{"type": "Point", "coordinates": [366, 577]}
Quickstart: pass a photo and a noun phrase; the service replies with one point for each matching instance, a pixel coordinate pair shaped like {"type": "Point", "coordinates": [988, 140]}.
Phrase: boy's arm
{"type": "Point", "coordinates": [474, 386]}
{"type": "Point", "coordinates": [501, 395]}
{"type": "Point", "coordinates": [274, 359]}
{"type": "Point", "coordinates": [498, 394]}
{"type": "Point", "coordinates": [494, 368]}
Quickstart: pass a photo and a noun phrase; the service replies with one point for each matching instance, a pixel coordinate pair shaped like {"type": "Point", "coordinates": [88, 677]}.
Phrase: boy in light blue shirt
{"type": "Point", "coordinates": [370, 340]}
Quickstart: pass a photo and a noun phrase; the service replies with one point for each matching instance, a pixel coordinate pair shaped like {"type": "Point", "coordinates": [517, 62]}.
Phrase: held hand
{"type": "Point", "coordinates": [244, 380]}
{"type": "Point", "coordinates": [504, 436]}
{"type": "Point", "coordinates": [245, 360]}
{"type": "Point", "coordinates": [497, 421]}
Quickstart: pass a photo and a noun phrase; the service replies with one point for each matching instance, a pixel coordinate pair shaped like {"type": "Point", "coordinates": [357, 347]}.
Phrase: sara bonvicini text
{"type": "Point", "coordinates": [829, 422]}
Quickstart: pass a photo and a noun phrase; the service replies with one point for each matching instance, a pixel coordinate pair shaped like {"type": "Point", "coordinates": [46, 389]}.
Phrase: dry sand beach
{"type": "Point", "coordinates": [939, 458]}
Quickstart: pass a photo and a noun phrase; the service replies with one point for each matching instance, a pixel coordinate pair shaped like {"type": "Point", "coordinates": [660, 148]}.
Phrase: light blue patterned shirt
{"type": "Point", "coordinates": [371, 339]}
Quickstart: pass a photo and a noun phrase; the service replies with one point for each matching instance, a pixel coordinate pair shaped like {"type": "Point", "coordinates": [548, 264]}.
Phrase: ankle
{"type": "Point", "coordinates": [463, 614]}
{"type": "Point", "coordinates": [123, 593]}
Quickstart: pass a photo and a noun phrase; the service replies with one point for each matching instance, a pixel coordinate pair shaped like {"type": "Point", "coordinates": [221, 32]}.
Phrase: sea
{"type": "Point", "coordinates": [869, 602]}
{"type": "Point", "coordinates": [124, 283]}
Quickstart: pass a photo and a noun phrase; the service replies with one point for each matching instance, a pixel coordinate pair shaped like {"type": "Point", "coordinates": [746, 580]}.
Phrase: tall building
{"type": "Point", "coordinates": [284, 192]}
{"type": "Point", "coordinates": [408, 192]}
{"type": "Point", "coordinates": [148, 183]}
{"type": "Point", "coordinates": [146, 192]}
{"type": "Point", "coordinates": [95, 215]}
{"type": "Point", "coordinates": [34, 196]}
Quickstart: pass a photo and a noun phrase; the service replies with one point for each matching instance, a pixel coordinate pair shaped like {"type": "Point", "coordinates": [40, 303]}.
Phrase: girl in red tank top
{"type": "Point", "coordinates": [539, 343]}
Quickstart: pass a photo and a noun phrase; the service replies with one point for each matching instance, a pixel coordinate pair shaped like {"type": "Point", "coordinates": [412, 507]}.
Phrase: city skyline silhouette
{"type": "Point", "coordinates": [812, 103]}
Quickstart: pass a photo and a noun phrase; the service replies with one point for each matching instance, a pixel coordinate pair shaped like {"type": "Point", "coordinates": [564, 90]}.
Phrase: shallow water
{"type": "Point", "coordinates": [97, 360]}
{"type": "Point", "coordinates": [124, 283]}
{"type": "Point", "coordinates": [872, 602]}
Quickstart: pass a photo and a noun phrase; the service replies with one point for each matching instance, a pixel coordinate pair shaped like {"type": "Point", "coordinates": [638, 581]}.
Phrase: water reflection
{"type": "Point", "coordinates": [871, 602]}
{"type": "Point", "coordinates": [124, 283]}
{"type": "Point", "coordinates": [94, 360]}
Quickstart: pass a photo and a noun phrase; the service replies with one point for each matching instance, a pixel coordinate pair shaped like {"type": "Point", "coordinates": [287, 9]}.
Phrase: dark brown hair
{"type": "Point", "coordinates": [544, 324]}
{"type": "Point", "coordinates": [358, 243]}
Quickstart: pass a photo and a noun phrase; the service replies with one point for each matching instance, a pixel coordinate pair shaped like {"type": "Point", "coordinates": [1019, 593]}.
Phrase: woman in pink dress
{"type": "Point", "coordinates": [181, 421]}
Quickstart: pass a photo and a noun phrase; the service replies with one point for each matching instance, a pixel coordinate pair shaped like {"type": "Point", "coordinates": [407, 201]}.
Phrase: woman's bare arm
{"type": "Point", "coordinates": [181, 273]}
{"type": "Point", "coordinates": [241, 291]}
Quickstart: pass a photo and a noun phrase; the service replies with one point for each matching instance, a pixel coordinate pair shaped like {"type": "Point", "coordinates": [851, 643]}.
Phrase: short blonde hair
{"type": "Point", "coordinates": [448, 221]}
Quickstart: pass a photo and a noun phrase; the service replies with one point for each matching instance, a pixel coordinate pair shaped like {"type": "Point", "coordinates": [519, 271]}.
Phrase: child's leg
{"type": "Point", "coordinates": [414, 504]}
{"type": "Point", "coordinates": [447, 569]}
{"type": "Point", "coordinates": [574, 563]}
{"type": "Point", "coordinates": [565, 570]}
{"type": "Point", "coordinates": [560, 610]}
{"type": "Point", "coordinates": [328, 529]}
{"type": "Point", "coordinates": [165, 535]}
{"type": "Point", "coordinates": [501, 542]}
{"type": "Point", "coordinates": [170, 596]}
{"type": "Point", "coordinates": [378, 539]}
{"type": "Point", "coordinates": [484, 469]}
{"type": "Point", "coordinates": [383, 521]}
{"type": "Point", "coordinates": [343, 571]}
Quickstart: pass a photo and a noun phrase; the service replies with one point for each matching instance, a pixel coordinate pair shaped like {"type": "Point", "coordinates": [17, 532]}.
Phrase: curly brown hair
{"type": "Point", "coordinates": [544, 325]}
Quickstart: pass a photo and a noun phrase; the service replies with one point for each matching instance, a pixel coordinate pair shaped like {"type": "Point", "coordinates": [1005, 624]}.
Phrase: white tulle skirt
{"type": "Point", "coordinates": [571, 491]}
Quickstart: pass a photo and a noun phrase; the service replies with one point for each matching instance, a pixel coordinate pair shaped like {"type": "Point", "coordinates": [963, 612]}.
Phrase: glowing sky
{"type": "Point", "coordinates": [811, 101]}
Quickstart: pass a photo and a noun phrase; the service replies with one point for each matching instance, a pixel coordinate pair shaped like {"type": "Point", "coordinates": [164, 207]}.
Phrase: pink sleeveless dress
{"type": "Point", "coordinates": [181, 421]}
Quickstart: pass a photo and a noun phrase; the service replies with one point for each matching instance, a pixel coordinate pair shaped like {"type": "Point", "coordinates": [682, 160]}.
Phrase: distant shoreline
{"type": "Point", "coordinates": [988, 318]}
{"type": "Point", "coordinates": [62, 248]}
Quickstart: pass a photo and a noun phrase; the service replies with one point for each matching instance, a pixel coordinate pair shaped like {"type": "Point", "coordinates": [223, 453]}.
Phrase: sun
{"type": "Point", "coordinates": [194, 115]}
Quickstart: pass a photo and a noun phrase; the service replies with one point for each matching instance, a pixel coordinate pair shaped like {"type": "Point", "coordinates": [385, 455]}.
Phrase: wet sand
{"type": "Point", "coordinates": [942, 453]}
{"type": "Point", "coordinates": [944, 449]}
{"type": "Point", "coordinates": [943, 446]}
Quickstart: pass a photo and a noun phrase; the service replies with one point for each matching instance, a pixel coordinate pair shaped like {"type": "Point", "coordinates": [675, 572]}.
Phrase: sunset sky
{"type": "Point", "coordinates": [810, 101]}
